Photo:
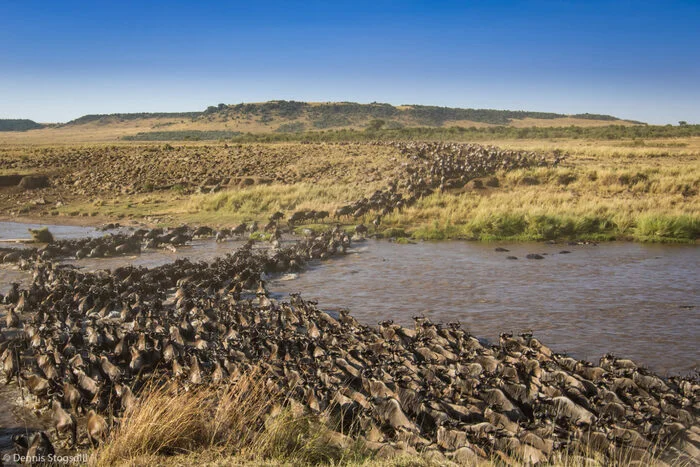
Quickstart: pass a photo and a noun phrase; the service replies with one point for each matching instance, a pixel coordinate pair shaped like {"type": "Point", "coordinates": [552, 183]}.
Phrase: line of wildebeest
{"type": "Point", "coordinates": [85, 344]}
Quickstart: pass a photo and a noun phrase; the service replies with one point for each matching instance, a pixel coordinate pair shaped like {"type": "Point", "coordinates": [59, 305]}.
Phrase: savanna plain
{"type": "Point", "coordinates": [200, 363]}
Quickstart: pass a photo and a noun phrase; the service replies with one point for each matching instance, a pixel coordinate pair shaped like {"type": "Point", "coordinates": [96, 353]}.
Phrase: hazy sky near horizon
{"type": "Point", "coordinates": [638, 60]}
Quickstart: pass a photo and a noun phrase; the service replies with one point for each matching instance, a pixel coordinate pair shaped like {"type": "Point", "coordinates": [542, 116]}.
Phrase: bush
{"type": "Point", "coordinates": [546, 227]}
{"type": "Point", "coordinates": [505, 225]}
{"type": "Point", "coordinates": [631, 180]}
{"type": "Point", "coordinates": [375, 124]}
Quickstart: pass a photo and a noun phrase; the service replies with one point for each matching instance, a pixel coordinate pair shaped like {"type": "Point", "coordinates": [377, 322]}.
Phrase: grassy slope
{"type": "Point", "coordinates": [632, 196]}
{"type": "Point", "coordinates": [18, 125]}
{"type": "Point", "coordinates": [603, 190]}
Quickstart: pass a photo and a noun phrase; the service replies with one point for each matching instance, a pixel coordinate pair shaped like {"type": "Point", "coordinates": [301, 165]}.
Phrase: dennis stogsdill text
{"type": "Point", "coordinates": [49, 458]}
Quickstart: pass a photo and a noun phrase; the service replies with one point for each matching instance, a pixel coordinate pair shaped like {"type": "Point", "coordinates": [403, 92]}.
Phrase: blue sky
{"type": "Point", "coordinates": [632, 59]}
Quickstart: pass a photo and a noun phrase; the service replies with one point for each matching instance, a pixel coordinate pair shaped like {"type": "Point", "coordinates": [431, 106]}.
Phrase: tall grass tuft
{"type": "Point", "coordinates": [248, 419]}
{"type": "Point", "coordinates": [167, 422]}
{"type": "Point", "coordinates": [665, 228]}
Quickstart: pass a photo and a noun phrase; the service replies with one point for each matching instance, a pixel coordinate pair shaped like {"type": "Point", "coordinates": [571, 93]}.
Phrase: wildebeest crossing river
{"type": "Point", "coordinates": [640, 301]}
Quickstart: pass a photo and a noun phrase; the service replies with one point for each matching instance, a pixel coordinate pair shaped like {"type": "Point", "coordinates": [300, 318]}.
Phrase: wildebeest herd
{"type": "Point", "coordinates": [439, 166]}
{"type": "Point", "coordinates": [85, 344]}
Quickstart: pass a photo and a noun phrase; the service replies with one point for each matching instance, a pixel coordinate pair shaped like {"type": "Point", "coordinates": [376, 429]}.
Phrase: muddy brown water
{"type": "Point", "coordinates": [16, 415]}
{"type": "Point", "coordinates": [639, 301]}
{"type": "Point", "coordinates": [17, 230]}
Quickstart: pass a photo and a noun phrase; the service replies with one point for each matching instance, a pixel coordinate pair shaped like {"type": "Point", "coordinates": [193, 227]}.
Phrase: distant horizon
{"type": "Point", "coordinates": [202, 109]}
{"type": "Point", "coordinates": [636, 61]}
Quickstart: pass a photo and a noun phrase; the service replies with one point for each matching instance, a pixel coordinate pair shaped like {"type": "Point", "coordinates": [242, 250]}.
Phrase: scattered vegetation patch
{"type": "Point", "coordinates": [330, 121]}
{"type": "Point", "coordinates": [566, 178]}
{"type": "Point", "coordinates": [294, 127]}
{"type": "Point", "coordinates": [632, 179]}
{"type": "Point", "coordinates": [42, 235]}
{"type": "Point", "coordinates": [530, 180]}
{"type": "Point", "coordinates": [184, 135]}
{"type": "Point", "coordinates": [260, 236]}
{"type": "Point", "coordinates": [387, 133]}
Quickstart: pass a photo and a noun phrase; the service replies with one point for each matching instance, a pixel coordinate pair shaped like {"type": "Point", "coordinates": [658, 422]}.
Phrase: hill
{"type": "Point", "coordinates": [292, 116]}
{"type": "Point", "coordinates": [280, 120]}
{"type": "Point", "coordinates": [19, 125]}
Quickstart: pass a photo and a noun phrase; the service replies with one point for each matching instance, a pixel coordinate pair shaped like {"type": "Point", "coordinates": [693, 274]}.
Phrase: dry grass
{"type": "Point", "coordinates": [252, 202]}
{"type": "Point", "coordinates": [594, 151]}
{"type": "Point", "coordinates": [632, 196]}
{"type": "Point", "coordinates": [167, 422]}
{"type": "Point", "coordinates": [209, 459]}
{"type": "Point", "coordinates": [242, 421]}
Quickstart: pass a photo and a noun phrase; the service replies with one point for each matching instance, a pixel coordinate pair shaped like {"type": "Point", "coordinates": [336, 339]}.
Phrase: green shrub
{"type": "Point", "coordinates": [661, 228]}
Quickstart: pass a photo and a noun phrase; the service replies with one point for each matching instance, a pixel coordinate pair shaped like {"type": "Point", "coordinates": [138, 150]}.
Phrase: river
{"type": "Point", "coordinates": [640, 301]}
